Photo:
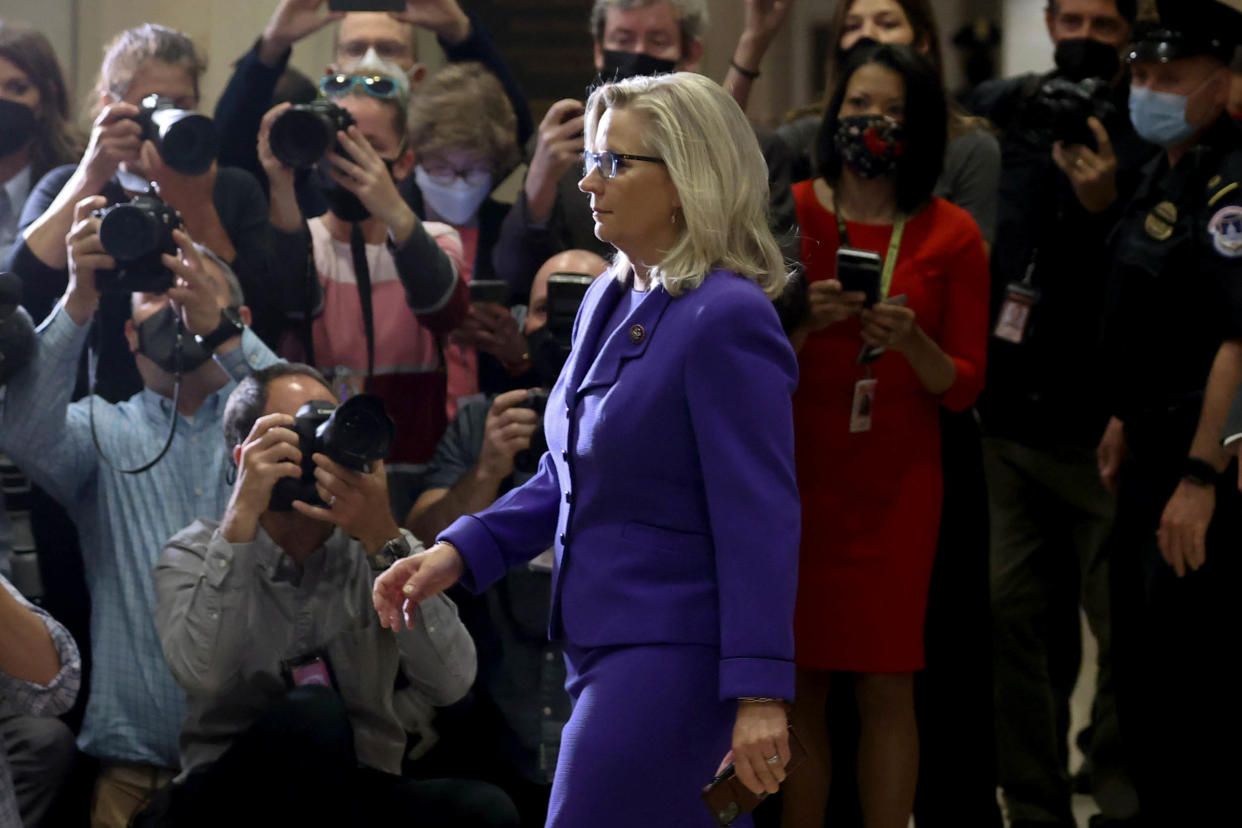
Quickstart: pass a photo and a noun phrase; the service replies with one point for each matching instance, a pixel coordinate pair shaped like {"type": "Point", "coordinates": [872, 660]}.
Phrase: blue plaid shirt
{"type": "Point", "coordinates": [31, 699]}
{"type": "Point", "coordinates": [135, 709]}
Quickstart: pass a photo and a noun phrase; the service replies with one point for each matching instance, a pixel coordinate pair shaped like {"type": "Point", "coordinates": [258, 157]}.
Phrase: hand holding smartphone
{"type": "Point", "coordinates": [489, 290]}
{"type": "Point", "coordinates": [859, 271]}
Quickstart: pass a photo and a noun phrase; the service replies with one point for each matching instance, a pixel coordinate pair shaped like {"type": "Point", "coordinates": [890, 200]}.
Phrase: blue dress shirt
{"type": "Point", "coordinates": [135, 709]}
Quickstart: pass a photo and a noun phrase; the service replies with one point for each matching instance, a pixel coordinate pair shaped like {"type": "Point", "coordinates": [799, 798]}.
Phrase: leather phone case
{"type": "Point", "coordinates": [727, 798]}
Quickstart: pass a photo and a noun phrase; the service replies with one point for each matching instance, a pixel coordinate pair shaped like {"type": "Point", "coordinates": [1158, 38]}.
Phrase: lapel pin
{"type": "Point", "coordinates": [637, 333]}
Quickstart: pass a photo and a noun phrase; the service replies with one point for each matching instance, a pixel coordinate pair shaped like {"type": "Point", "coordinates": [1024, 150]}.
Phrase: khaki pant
{"type": "Point", "coordinates": [122, 790]}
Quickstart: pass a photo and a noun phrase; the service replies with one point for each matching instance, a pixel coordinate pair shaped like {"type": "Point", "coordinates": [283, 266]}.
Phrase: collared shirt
{"type": "Point", "coordinates": [14, 195]}
{"type": "Point", "coordinates": [520, 670]}
{"type": "Point", "coordinates": [135, 708]}
{"type": "Point", "coordinates": [232, 616]}
{"type": "Point", "coordinates": [32, 699]}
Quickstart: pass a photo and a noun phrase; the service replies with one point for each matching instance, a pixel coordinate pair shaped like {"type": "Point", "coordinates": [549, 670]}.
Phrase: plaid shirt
{"type": "Point", "coordinates": [135, 709]}
{"type": "Point", "coordinates": [30, 699]}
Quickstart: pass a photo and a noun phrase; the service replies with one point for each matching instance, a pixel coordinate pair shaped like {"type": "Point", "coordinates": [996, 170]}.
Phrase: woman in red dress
{"type": "Point", "coordinates": [866, 415]}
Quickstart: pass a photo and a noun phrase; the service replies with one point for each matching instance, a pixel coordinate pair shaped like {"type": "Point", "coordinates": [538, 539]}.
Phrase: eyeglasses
{"type": "Point", "coordinates": [609, 162]}
{"type": "Point", "coordinates": [446, 174]}
{"type": "Point", "coordinates": [335, 86]}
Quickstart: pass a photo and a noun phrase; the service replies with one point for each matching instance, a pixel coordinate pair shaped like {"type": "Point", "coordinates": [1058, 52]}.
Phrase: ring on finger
{"type": "Point", "coordinates": [331, 501]}
{"type": "Point", "coordinates": [772, 760]}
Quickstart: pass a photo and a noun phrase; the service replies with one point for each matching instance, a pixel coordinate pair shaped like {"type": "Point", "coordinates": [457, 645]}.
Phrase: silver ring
{"type": "Point", "coordinates": [772, 760]}
{"type": "Point", "coordinates": [331, 501]}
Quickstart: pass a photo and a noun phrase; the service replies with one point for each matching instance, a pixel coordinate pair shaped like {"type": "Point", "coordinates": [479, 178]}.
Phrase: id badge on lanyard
{"type": "Point", "coordinates": [1014, 323]}
{"type": "Point", "coordinates": [865, 389]}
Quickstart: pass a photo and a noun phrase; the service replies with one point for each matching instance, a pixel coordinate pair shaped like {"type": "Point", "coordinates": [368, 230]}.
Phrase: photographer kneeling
{"type": "Point", "coordinates": [266, 622]}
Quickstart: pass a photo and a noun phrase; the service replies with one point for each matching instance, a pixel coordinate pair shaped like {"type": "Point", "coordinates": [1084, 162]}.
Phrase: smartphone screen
{"type": "Point", "coordinates": [859, 271]}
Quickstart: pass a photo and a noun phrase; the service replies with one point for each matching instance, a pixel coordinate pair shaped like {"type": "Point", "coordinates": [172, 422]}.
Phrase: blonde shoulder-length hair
{"type": "Point", "coordinates": [715, 163]}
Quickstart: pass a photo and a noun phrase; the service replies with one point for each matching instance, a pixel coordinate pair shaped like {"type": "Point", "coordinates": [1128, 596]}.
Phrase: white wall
{"type": "Point", "coordinates": [1025, 46]}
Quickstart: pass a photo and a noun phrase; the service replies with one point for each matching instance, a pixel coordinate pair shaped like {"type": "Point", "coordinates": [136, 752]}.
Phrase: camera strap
{"type": "Point", "coordinates": [890, 258]}
{"type": "Point", "coordinates": [93, 369]}
{"type": "Point", "coordinates": [362, 275]}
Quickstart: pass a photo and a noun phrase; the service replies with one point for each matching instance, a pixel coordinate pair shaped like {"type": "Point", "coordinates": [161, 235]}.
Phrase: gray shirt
{"type": "Point", "coordinates": [231, 615]}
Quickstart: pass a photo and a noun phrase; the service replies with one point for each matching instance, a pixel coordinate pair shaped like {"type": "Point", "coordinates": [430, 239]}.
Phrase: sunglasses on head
{"type": "Point", "coordinates": [336, 85]}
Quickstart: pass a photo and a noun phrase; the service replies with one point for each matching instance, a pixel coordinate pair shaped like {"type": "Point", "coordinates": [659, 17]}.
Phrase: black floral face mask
{"type": "Point", "coordinates": [872, 145]}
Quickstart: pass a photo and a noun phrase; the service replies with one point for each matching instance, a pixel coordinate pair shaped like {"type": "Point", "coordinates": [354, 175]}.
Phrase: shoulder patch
{"type": "Point", "coordinates": [1225, 228]}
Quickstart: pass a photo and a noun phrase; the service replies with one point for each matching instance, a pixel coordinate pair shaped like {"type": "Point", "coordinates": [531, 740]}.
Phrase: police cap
{"type": "Point", "coordinates": [1189, 28]}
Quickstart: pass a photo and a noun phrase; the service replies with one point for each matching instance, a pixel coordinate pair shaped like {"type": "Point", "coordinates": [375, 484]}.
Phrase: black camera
{"type": "Point", "coordinates": [550, 346]}
{"type": "Point", "coordinates": [355, 434]}
{"type": "Point", "coordinates": [17, 336]}
{"type": "Point", "coordinates": [136, 235]}
{"type": "Point", "coordinates": [186, 140]}
{"type": "Point", "coordinates": [305, 133]}
{"type": "Point", "coordinates": [1061, 107]}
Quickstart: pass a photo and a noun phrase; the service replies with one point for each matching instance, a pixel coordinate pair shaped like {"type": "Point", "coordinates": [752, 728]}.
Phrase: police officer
{"type": "Point", "coordinates": [1173, 334]}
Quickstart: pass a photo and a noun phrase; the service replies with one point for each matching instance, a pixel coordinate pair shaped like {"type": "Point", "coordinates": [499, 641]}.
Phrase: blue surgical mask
{"type": "Point", "coordinates": [1160, 117]}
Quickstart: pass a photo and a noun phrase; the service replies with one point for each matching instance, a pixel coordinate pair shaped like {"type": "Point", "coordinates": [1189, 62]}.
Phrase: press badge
{"type": "Point", "coordinates": [864, 402]}
{"type": "Point", "coordinates": [1015, 314]}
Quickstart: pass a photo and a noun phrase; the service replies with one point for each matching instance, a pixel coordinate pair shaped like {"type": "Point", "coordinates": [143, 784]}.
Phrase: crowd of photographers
{"type": "Point", "coordinates": [281, 348]}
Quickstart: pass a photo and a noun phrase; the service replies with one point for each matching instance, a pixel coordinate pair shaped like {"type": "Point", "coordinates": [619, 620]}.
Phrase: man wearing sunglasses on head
{"type": "Point", "coordinates": [388, 36]}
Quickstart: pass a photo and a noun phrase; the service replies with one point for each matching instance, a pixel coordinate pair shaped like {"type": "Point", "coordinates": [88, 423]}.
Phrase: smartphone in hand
{"type": "Point", "coordinates": [859, 271]}
{"type": "Point", "coordinates": [366, 5]}
{"type": "Point", "coordinates": [489, 290]}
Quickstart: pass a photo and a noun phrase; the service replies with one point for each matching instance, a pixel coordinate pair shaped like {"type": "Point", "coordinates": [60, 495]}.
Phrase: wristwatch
{"type": "Point", "coordinates": [1200, 472]}
{"type": "Point", "coordinates": [231, 325]}
{"type": "Point", "coordinates": [391, 552]}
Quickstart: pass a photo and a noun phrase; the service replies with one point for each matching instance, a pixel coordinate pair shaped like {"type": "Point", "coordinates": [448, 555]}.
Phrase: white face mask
{"type": "Point", "coordinates": [456, 203]}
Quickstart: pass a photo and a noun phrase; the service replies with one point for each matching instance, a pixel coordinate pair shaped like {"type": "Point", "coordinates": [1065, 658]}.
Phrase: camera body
{"type": "Point", "coordinates": [355, 434]}
{"type": "Point", "coordinates": [1061, 107]}
{"type": "Point", "coordinates": [136, 234]}
{"type": "Point", "coordinates": [527, 460]}
{"type": "Point", "coordinates": [304, 133]}
{"type": "Point", "coordinates": [186, 140]}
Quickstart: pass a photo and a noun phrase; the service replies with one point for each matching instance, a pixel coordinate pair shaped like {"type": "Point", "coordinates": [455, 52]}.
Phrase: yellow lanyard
{"type": "Point", "coordinates": [890, 260]}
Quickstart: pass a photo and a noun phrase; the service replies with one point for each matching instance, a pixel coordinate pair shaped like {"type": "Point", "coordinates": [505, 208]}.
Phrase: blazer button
{"type": "Point", "coordinates": [562, 538]}
{"type": "Point", "coordinates": [569, 496]}
{"type": "Point", "coordinates": [564, 455]}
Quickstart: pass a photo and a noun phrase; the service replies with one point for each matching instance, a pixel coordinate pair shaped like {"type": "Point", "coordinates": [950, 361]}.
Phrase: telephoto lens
{"type": "Point", "coordinates": [305, 133]}
{"type": "Point", "coordinates": [137, 234]}
{"type": "Point", "coordinates": [186, 140]}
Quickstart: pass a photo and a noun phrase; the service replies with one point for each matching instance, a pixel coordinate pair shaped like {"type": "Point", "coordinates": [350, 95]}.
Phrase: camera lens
{"type": "Point", "coordinates": [358, 432]}
{"type": "Point", "coordinates": [129, 232]}
{"type": "Point", "coordinates": [300, 137]}
{"type": "Point", "coordinates": [187, 140]}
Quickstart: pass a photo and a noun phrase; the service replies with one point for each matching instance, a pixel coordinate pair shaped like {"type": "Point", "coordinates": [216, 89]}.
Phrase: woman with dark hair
{"type": "Point", "coordinates": [971, 169]}
{"type": "Point", "coordinates": [35, 132]}
{"type": "Point", "coordinates": [866, 420]}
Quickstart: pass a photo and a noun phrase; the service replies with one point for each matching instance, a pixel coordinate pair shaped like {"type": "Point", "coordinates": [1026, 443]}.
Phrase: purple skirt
{"type": "Point", "coordinates": [648, 731]}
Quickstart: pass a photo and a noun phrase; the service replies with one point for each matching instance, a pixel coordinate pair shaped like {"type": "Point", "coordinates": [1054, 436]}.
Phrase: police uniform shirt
{"type": "Point", "coordinates": [1176, 287]}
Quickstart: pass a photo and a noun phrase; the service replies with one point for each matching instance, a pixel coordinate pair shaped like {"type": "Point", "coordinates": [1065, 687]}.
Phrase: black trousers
{"type": "Point", "coordinates": [1175, 644]}
{"type": "Point", "coordinates": [296, 766]}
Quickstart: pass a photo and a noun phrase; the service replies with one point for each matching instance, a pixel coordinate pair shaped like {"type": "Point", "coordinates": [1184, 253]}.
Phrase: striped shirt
{"type": "Point", "coordinates": [135, 709]}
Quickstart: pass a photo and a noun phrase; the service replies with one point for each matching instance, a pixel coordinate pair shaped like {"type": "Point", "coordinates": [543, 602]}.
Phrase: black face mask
{"type": "Point", "coordinates": [157, 341]}
{"type": "Point", "coordinates": [17, 126]}
{"type": "Point", "coordinates": [622, 65]}
{"type": "Point", "coordinates": [344, 204]}
{"type": "Point", "coordinates": [872, 145]}
{"type": "Point", "coordinates": [1080, 58]}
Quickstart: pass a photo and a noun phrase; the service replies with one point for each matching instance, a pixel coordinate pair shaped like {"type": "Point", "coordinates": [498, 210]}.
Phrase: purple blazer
{"type": "Point", "coordinates": [668, 489]}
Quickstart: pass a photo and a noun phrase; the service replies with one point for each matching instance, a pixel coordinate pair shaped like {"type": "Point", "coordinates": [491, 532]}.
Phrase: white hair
{"type": "Point", "coordinates": [716, 166]}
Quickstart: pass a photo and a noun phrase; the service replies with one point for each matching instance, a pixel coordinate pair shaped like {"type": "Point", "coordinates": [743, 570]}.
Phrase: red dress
{"type": "Point", "coordinates": [871, 501]}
